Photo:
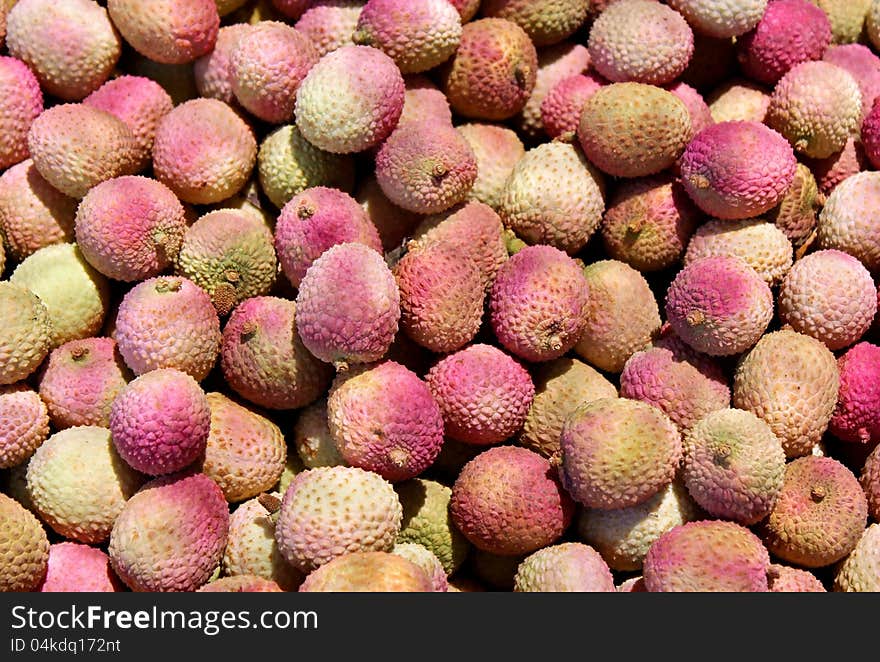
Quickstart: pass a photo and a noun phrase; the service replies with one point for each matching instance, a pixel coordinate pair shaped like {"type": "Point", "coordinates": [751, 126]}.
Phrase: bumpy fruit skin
{"type": "Point", "coordinates": [719, 305]}
{"type": "Point", "coordinates": [263, 357]}
{"type": "Point", "coordinates": [623, 536]}
{"type": "Point", "coordinates": [395, 225]}
{"type": "Point", "coordinates": [789, 32]}
{"type": "Point", "coordinates": [761, 245]}
{"type": "Point", "coordinates": [139, 102]}
{"type": "Point", "coordinates": [184, 514]}
{"type": "Point", "coordinates": [213, 71]}
{"type": "Point", "coordinates": [368, 572]}
{"type": "Point", "coordinates": [860, 570]}
{"type": "Point", "coordinates": [351, 100]}
{"type": "Point", "coordinates": [863, 65]}
{"type": "Point", "coordinates": [70, 45]}
{"type": "Point", "coordinates": [648, 222]}
{"type": "Point", "coordinates": [633, 129]}
{"type": "Point", "coordinates": [78, 484]}
{"type": "Point", "coordinates": [267, 66]}
{"type": "Point", "coordinates": [701, 116]}
{"type": "Point", "coordinates": [553, 196]}
{"type": "Point", "coordinates": [561, 108]}
{"type": "Point", "coordinates": [441, 298]}
{"type": "Point", "coordinates": [229, 255]}
{"type": "Point", "coordinates": [784, 579]}
{"type": "Point", "coordinates": [167, 31]}
{"type": "Point", "coordinates": [857, 415]}
{"type": "Point", "coordinates": [508, 501]}
{"type": "Point", "coordinates": [423, 100]}
{"type": "Point", "coordinates": [25, 336]}
{"type": "Point", "coordinates": [844, 222]}
{"type": "Point", "coordinates": [817, 106]}
{"type": "Point", "coordinates": [545, 21]}
{"type": "Point", "coordinates": [640, 41]}
{"type": "Point", "coordinates": [426, 560]}
{"type": "Point", "coordinates": [791, 381]}
{"type": "Point", "coordinates": [33, 213]}
{"type": "Point", "coordinates": [819, 515]}
{"type": "Point", "coordinates": [724, 18]}
{"type": "Point", "coordinates": [384, 419]}
{"type": "Point", "coordinates": [24, 424]}
{"type": "Point", "coordinates": [617, 453]}
{"type": "Point", "coordinates": [829, 295]}
{"type": "Point", "coordinates": [538, 303]}
{"type": "Point", "coordinates": [426, 521]}
{"type": "Point", "coordinates": [870, 132]}
{"type": "Point", "coordinates": [622, 316]}
{"type": "Point", "coordinates": [241, 584]}
{"type": "Point", "coordinates": [78, 568]}
{"type": "Point", "coordinates": [738, 100]}
{"type": "Point", "coordinates": [831, 171]}
{"type": "Point", "coordinates": [24, 548]}
{"type": "Point", "coordinates": [75, 147]}
{"type": "Point", "coordinates": [566, 567]}
{"type": "Point", "coordinates": [80, 381]}
{"type": "Point", "coordinates": [203, 151]}
{"type": "Point", "coordinates": [733, 465]}
{"type": "Point", "coordinates": [847, 18]}
{"type": "Point", "coordinates": [168, 322]}
{"type": "Point", "coordinates": [483, 393]}
{"type": "Point", "coordinates": [707, 556]}
{"type": "Point", "coordinates": [735, 170]}
{"type": "Point", "coordinates": [314, 444]}
{"type": "Point", "coordinates": [797, 213]}
{"type": "Point", "coordinates": [493, 72]}
{"type": "Point", "coordinates": [160, 422]}
{"type": "Point", "coordinates": [21, 103]}
{"type": "Point", "coordinates": [291, 8]}
{"type": "Point", "coordinates": [329, 24]}
{"type": "Point", "coordinates": [130, 228]}
{"type": "Point", "coordinates": [75, 295]}
{"type": "Point", "coordinates": [348, 306]}
{"type": "Point", "coordinates": [331, 511]}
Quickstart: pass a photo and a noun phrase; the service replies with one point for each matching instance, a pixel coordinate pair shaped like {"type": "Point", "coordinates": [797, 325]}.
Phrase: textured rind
{"type": "Point", "coordinates": [78, 568]}
{"type": "Point", "coordinates": [784, 579]}
{"type": "Point", "coordinates": [213, 70]}
{"type": "Point", "coordinates": [509, 501]}
{"type": "Point", "coordinates": [817, 106]}
{"type": "Point", "coordinates": [314, 444]}
{"type": "Point", "coordinates": [80, 381]}
{"type": "Point", "coordinates": [721, 18]}
{"type": "Point", "coordinates": [168, 322]}
{"type": "Point", "coordinates": [860, 570]}
{"type": "Point", "coordinates": [33, 213]}
{"type": "Point", "coordinates": [70, 45]}
{"type": "Point", "coordinates": [75, 295]}
{"type": "Point", "coordinates": [738, 100]}
{"type": "Point", "coordinates": [761, 245]}
{"type": "Point", "coordinates": [230, 255]}
{"type": "Point", "coordinates": [617, 453]}
{"type": "Point", "coordinates": [701, 116]}
{"type": "Point", "coordinates": [844, 222]}
{"type": "Point", "coordinates": [24, 548]}
{"type": "Point", "coordinates": [847, 18]}
{"type": "Point", "coordinates": [872, 24]}
{"type": "Point", "coordinates": [130, 228]}
{"type": "Point", "coordinates": [329, 24]}
{"type": "Point", "coordinates": [348, 305]}
{"type": "Point", "coordinates": [737, 170]}
{"type": "Point", "coordinates": [426, 521]}
{"type": "Point", "coordinates": [857, 415]}
{"type": "Point", "coordinates": [25, 337]}
{"type": "Point", "coordinates": [171, 534]}
{"type": "Point", "coordinates": [21, 101]}
{"type": "Point", "coordinates": [870, 480]}
{"type": "Point", "coordinates": [167, 31]}
{"type": "Point", "coordinates": [633, 129]}
{"type": "Point", "coordinates": [870, 134]}
{"type": "Point", "coordinates": [425, 559]}
{"type": "Point", "coordinates": [648, 222]}
{"type": "Point", "coordinates": [75, 146]}
{"type": "Point", "coordinates": [566, 567]}
{"type": "Point", "coordinates": [288, 164]}
{"type": "Point", "coordinates": [264, 360]}
{"type": "Point", "coordinates": [332, 511]}
{"type": "Point", "coordinates": [561, 108]}
{"type": "Point", "coordinates": [423, 100]}
{"type": "Point", "coordinates": [368, 572]}
{"type": "Point", "coordinates": [545, 21]}
{"type": "Point", "coordinates": [395, 225]}
{"type": "Point", "coordinates": [790, 32]}
{"type": "Point", "coordinates": [24, 424]}
{"type": "Point", "coordinates": [818, 516]}
{"type": "Point", "coordinates": [791, 381]}
{"type": "Point", "coordinates": [797, 213]}
{"type": "Point", "coordinates": [493, 72]}
{"type": "Point", "coordinates": [538, 303]}
{"type": "Point", "coordinates": [384, 419]}
{"type": "Point", "coordinates": [733, 465]}
{"type": "Point", "coordinates": [292, 9]}
{"type": "Point", "coordinates": [561, 386]}
{"type": "Point", "coordinates": [426, 167]}
{"type": "Point", "coordinates": [203, 151]}
{"type": "Point", "coordinates": [707, 556]}
{"type": "Point", "coordinates": [241, 584]}
{"type": "Point", "coordinates": [640, 41]}
{"type": "Point", "coordinates": [864, 66]}
{"type": "Point", "coordinates": [719, 305]}
{"type": "Point", "coordinates": [831, 171]}
{"type": "Point", "coordinates": [621, 317]}
{"type": "Point", "coordinates": [554, 197]}
{"type": "Point", "coordinates": [351, 100]}
{"type": "Point", "coordinates": [78, 484]}
{"type": "Point", "coordinates": [623, 536]}
{"type": "Point", "coordinates": [484, 394]}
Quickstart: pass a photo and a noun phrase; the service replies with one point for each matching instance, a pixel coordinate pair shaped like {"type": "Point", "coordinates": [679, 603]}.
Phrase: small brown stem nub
{"type": "Point", "coordinates": [818, 493]}
{"type": "Point", "coordinates": [79, 353]}
{"type": "Point", "coordinates": [270, 503]}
